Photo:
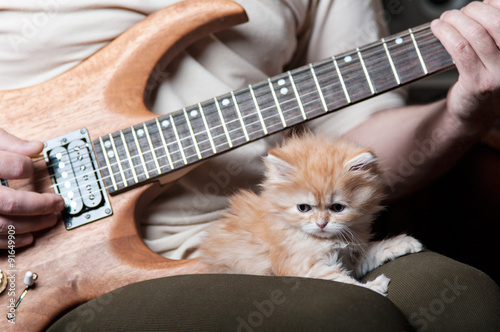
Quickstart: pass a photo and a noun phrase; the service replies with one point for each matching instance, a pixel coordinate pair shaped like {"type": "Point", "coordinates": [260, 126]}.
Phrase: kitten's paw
{"type": "Point", "coordinates": [400, 245]}
{"type": "Point", "coordinates": [379, 284]}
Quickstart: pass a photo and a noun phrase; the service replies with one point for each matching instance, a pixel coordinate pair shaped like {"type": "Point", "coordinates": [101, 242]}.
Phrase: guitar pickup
{"type": "Point", "coordinates": [76, 178]}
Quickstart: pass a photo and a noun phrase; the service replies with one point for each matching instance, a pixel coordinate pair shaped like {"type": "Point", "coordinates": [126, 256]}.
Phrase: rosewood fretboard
{"type": "Point", "coordinates": [148, 150]}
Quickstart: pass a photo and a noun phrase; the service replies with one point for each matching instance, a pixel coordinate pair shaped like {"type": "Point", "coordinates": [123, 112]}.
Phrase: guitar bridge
{"type": "Point", "coordinates": [76, 178]}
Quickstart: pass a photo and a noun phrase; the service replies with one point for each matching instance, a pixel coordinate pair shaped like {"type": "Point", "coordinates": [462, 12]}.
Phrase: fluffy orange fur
{"type": "Point", "coordinates": [311, 219]}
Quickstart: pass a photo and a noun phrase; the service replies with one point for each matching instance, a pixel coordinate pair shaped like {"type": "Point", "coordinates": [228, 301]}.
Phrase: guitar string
{"type": "Point", "coordinates": [212, 128]}
{"type": "Point", "coordinates": [126, 180]}
{"type": "Point", "coordinates": [381, 51]}
{"type": "Point", "coordinates": [193, 142]}
{"type": "Point", "coordinates": [162, 156]}
{"type": "Point", "coordinates": [318, 73]}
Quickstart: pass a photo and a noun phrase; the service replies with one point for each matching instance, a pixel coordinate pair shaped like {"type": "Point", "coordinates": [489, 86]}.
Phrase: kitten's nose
{"type": "Point", "coordinates": [322, 224]}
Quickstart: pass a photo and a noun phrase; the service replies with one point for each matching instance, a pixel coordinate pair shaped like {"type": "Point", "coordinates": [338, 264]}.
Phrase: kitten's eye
{"type": "Point", "coordinates": [337, 207]}
{"type": "Point", "coordinates": [304, 207]}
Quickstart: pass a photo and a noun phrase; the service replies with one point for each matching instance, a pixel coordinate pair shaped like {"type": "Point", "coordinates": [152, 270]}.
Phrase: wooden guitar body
{"type": "Point", "coordinates": [103, 94]}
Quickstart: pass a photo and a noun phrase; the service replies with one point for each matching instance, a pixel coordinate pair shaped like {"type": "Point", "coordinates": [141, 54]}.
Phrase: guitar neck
{"type": "Point", "coordinates": [138, 154]}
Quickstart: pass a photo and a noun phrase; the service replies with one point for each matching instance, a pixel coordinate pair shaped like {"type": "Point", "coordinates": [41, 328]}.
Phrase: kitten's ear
{"type": "Point", "coordinates": [278, 170]}
{"type": "Point", "coordinates": [361, 162]}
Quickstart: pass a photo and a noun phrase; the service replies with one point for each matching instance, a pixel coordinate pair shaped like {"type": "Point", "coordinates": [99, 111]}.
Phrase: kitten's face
{"type": "Point", "coordinates": [329, 213]}
{"type": "Point", "coordinates": [333, 209]}
{"type": "Point", "coordinates": [325, 189]}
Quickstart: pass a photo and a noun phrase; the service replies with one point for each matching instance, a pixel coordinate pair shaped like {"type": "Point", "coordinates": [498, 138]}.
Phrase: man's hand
{"type": "Point", "coordinates": [26, 211]}
{"type": "Point", "coordinates": [472, 37]}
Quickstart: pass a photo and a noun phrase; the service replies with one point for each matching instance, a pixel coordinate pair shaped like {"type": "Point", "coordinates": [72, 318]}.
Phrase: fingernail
{"type": "Point", "coordinates": [35, 145]}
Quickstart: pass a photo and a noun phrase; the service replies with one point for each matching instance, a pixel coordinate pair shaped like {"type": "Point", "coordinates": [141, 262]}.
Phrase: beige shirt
{"type": "Point", "coordinates": [40, 39]}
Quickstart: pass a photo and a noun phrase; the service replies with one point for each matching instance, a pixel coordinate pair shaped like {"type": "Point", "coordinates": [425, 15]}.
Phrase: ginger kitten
{"type": "Point", "coordinates": [312, 219]}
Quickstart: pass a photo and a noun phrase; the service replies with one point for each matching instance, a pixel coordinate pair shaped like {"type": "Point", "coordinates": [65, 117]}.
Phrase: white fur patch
{"type": "Point", "coordinates": [362, 161]}
{"type": "Point", "coordinates": [278, 169]}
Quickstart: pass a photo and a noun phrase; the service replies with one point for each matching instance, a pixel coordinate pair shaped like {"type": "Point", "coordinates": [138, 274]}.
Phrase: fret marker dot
{"type": "Point", "coordinates": [62, 165]}
{"type": "Point", "coordinates": [284, 91]}
{"type": "Point", "coordinates": [64, 174]}
{"type": "Point", "coordinates": [140, 133]}
{"type": "Point", "coordinates": [165, 123]}
{"type": "Point", "coordinates": [71, 194]}
{"type": "Point", "coordinates": [107, 144]}
{"type": "Point", "coordinates": [111, 154]}
{"type": "Point", "coordinates": [225, 102]}
{"type": "Point", "coordinates": [193, 113]}
{"type": "Point", "coordinates": [399, 40]}
{"type": "Point", "coordinates": [59, 156]}
{"type": "Point", "coordinates": [67, 184]}
{"type": "Point", "coordinates": [348, 58]}
{"type": "Point", "coordinates": [73, 204]}
{"type": "Point", "coordinates": [281, 82]}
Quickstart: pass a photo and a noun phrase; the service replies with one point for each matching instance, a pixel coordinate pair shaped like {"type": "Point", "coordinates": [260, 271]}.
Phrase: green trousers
{"type": "Point", "coordinates": [428, 292]}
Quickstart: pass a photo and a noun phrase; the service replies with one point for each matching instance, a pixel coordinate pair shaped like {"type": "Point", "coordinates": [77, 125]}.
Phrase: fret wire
{"type": "Point", "coordinates": [238, 120]}
{"type": "Point", "coordinates": [277, 103]}
{"type": "Point", "coordinates": [141, 154]}
{"type": "Point", "coordinates": [389, 57]}
{"type": "Point", "coordinates": [181, 149]}
{"type": "Point", "coordinates": [262, 123]}
{"type": "Point", "coordinates": [266, 118]}
{"type": "Point", "coordinates": [239, 116]}
{"type": "Point", "coordinates": [380, 51]}
{"type": "Point", "coordinates": [155, 157]}
{"type": "Point", "coordinates": [223, 122]}
{"type": "Point", "coordinates": [111, 174]}
{"type": "Point", "coordinates": [118, 160]}
{"type": "Point", "coordinates": [166, 144]}
{"type": "Point", "coordinates": [195, 142]}
{"type": "Point", "coordinates": [368, 79]}
{"type": "Point", "coordinates": [318, 87]}
{"type": "Point", "coordinates": [162, 136]}
{"type": "Point", "coordinates": [297, 96]}
{"type": "Point", "coordinates": [134, 174]}
{"type": "Point", "coordinates": [422, 63]}
{"type": "Point", "coordinates": [341, 80]}
{"type": "Point", "coordinates": [209, 134]}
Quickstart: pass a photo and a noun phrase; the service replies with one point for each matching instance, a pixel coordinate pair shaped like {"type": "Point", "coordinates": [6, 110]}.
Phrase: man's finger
{"type": "Point", "coordinates": [462, 52]}
{"type": "Point", "coordinates": [475, 34]}
{"type": "Point", "coordinates": [11, 143]}
{"type": "Point", "coordinates": [24, 225]}
{"type": "Point", "coordinates": [27, 203]}
{"type": "Point", "coordinates": [15, 166]}
{"type": "Point", "coordinates": [21, 240]}
{"type": "Point", "coordinates": [487, 15]}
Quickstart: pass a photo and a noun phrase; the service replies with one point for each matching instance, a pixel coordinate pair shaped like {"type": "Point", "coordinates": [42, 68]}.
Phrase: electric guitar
{"type": "Point", "coordinates": [105, 152]}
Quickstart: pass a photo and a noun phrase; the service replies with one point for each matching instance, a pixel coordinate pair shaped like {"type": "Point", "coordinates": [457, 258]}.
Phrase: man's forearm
{"type": "Point", "coordinates": [416, 144]}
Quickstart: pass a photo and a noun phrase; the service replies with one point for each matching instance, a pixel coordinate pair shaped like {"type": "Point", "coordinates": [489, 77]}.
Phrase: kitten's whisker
{"type": "Point", "coordinates": [354, 241]}
{"type": "Point", "coordinates": [348, 235]}
{"type": "Point", "coordinates": [343, 236]}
